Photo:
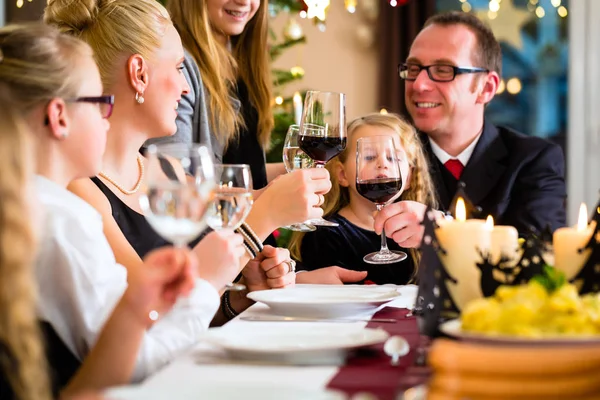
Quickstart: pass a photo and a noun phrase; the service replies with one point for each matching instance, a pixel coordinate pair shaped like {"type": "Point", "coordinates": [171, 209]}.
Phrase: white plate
{"type": "Point", "coordinates": [454, 328]}
{"type": "Point", "coordinates": [294, 344]}
{"type": "Point", "coordinates": [325, 301]}
{"type": "Point", "coordinates": [230, 392]}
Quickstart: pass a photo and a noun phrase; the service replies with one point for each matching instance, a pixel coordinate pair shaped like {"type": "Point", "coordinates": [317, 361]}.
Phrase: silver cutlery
{"type": "Point", "coordinates": [276, 318]}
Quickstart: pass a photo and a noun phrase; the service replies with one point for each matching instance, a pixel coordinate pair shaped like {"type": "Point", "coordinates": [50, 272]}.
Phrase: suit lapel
{"type": "Point", "coordinates": [485, 167]}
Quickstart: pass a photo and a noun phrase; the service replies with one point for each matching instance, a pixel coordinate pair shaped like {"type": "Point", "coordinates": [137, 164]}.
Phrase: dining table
{"type": "Point", "coordinates": [366, 372]}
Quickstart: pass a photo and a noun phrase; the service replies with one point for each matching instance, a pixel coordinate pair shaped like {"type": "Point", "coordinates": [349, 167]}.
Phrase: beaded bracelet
{"type": "Point", "coordinates": [228, 311]}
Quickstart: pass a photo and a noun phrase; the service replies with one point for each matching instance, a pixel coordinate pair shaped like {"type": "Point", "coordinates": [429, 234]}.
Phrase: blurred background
{"type": "Point", "coordinates": [551, 67]}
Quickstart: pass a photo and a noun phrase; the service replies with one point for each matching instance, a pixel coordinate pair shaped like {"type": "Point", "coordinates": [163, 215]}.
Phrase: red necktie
{"type": "Point", "coordinates": [455, 167]}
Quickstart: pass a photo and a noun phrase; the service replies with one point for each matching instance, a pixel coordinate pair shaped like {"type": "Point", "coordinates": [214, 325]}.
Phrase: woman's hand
{"type": "Point", "coordinates": [271, 269]}
{"type": "Point", "coordinates": [292, 198]}
{"type": "Point", "coordinates": [167, 274]}
{"type": "Point", "coordinates": [219, 255]}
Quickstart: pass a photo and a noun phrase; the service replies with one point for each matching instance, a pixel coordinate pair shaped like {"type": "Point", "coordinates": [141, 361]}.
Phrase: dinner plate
{"type": "Point", "coordinates": [294, 344]}
{"type": "Point", "coordinates": [230, 392]}
{"type": "Point", "coordinates": [325, 301]}
{"type": "Point", "coordinates": [454, 329]}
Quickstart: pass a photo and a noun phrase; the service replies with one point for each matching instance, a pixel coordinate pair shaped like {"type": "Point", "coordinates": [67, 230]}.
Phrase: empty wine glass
{"type": "Point", "coordinates": [179, 187]}
{"type": "Point", "coordinates": [179, 183]}
{"type": "Point", "coordinates": [379, 178]}
{"type": "Point", "coordinates": [327, 110]}
{"type": "Point", "coordinates": [294, 158]}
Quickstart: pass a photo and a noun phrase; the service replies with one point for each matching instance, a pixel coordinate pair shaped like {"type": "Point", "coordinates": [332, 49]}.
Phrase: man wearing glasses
{"type": "Point", "coordinates": [452, 72]}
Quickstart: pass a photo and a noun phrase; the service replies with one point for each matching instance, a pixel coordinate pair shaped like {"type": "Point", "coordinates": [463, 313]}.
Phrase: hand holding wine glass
{"type": "Point", "coordinates": [326, 110]}
{"type": "Point", "coordinates": [379, 179]}
{"type": "Point", "coordinates": [179, 187]}
{"type": "Point", "coordinates": [294, 158]}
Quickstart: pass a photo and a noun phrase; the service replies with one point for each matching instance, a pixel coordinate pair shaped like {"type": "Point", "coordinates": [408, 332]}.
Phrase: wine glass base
{"type": "Point", "coordinates": [390, 257]}
{"type": "Point", "coordinates": [321, 222]}
{"type": "Point", "coordinates": [300, 228]}
{"type": "Point", "coordinates": [235, 287]}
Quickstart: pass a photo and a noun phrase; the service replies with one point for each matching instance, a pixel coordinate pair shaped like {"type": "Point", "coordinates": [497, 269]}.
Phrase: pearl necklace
{"type": "Point", "coordinates": [137, 185]}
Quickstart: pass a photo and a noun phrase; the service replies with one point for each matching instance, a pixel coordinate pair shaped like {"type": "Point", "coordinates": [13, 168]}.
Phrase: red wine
{"type": "Point", "coordinates": [321, 149]}
{"type": "Point", "coordinates": [381, 190]}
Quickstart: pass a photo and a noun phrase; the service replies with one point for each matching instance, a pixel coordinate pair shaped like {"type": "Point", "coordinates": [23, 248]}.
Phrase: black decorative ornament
{"type": "Point", "coordinates": [434, 303]}
{"type": "Point", "coordinates": [472, 210]}
{"type": "Point", "coordinates": [588, 277]}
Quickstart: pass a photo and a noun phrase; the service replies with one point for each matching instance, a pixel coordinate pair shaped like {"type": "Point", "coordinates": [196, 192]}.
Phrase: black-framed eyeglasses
{"type": "Point", "coordinates": [105, 103]}
{"type": "Point", "coordinates": [436, 72]}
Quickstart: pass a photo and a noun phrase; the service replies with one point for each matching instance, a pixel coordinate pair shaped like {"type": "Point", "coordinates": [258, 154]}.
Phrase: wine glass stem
{"type": "Point", "coordinates": [384, 247]}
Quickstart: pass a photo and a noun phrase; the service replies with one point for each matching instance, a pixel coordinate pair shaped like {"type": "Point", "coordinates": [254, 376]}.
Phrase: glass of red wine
{"type": "Point", "coordinates": [326, 110]}
{"type": "Point", "coordinates": [379, 179]}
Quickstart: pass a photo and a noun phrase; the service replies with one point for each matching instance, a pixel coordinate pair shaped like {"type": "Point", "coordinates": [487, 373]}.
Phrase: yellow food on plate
{"type": "Point", "coordinates": [531, 311]}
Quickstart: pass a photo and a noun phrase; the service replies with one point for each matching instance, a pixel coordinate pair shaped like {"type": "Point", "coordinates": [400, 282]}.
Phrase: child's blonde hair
{"type": "Point", "coordinates": [420, 188]}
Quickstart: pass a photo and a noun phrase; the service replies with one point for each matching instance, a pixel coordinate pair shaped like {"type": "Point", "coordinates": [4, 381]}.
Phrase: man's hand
{"type": "Point", "coordinates": [402, 223]}
{"type": "Point", "coordinates": [331, 276]}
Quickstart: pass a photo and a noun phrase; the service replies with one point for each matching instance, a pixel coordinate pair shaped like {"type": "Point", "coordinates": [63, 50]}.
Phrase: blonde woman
{"type": "Point", "coordinates": [140, 57]}
{"type": "Point", "coordinates": [52, 81]}
{"type": "Point", "coordinates": [228, 68]}
{"type": "Point", "coordinates": [355, 237]}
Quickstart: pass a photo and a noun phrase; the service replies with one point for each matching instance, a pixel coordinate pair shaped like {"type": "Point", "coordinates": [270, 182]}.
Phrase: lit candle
{"type": "Point", "coordinates": [463, 240]}
{"type": "Point", "coordinates": [504, 241]}
{"type": "Point", "coordinates": [297, 100]}
{"type": "Point", "coordinates": [567, 241]}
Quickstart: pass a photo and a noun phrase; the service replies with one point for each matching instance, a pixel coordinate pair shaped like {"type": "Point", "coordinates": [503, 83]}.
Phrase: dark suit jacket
{"type": "Point", "coordinates": [518, 179]}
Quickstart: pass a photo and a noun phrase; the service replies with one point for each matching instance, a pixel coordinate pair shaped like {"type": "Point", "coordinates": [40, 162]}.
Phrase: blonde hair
{"type": "Point", "coordinates": [420, 186]}
{"type": "Point", "coordinates": [219, 68]}
{"type": "Point", "coordinates": [112, 28]}
{"type": "Point", "coordinates": [37, 64]}
{"type": "Point", "coordinates": [22, 357]}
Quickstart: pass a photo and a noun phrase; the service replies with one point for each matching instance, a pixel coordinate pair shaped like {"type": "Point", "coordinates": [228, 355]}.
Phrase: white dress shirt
{"type": "Point", "coordinates": [463, 157]}
{"type": "Point", "coordinates": [80, 283]}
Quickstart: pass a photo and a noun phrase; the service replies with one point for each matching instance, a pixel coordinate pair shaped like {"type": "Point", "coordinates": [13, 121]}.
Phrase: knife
{"type": "Point", "coordinates": [276, 318]}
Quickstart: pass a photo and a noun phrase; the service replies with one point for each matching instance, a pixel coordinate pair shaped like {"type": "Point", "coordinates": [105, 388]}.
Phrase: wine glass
{"type": "Point", "coordinates": [328, 110]}
{"type": "Point", "coordinates": [379, 178]}
{"type": "Point", "coordinates": [179, 183]}
{"type": "Point", "coordinates": [294, 158]}
{"type": "Point", "coordinates": [179, 187]}
{"type": "Point", "coordinates": [232, 200]}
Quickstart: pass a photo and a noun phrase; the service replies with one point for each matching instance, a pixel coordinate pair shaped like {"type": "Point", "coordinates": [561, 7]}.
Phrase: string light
{"type": "Point", "coordinates": [302, 14]}
{"type": "Point", "coordinates": [539, 11]}
{"type": "Point", "coordinates": [513, 86]}
{"type": "Point", "coordinates": [466, 7]}
{"type": "Point", "coordinates": [383, 111]}
{"type": "Point", "coordinates": [555, 3]}
{"type": "Point", "coordinates": [279, 100]}
{"type": "Point", "coordinates": [494, 6]}
{"type": "Point", "coordinates": [393, 3]}
{"type": "Point", "coordinates": [562, 11]}
{"type": "Point", "coordinates": [297, 71]}
{"type": "Point", "coordinates": [492, 14]}
{"type": "Point", "coordinates": [19, 3]}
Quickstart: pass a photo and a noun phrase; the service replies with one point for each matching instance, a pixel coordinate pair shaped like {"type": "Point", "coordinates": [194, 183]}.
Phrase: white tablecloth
{"type": "Point", "coordinates": [206, 365]}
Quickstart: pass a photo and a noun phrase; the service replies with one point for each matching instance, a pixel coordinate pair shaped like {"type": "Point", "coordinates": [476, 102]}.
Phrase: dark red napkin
{"type": "Point", "coordinates": [369, 370]}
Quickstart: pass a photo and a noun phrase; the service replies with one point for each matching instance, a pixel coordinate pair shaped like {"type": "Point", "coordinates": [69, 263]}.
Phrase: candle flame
{"type": "Point", "coordinates": [297, 99]}
{"type": "Point", "coordinates": [582, 221]}
{"type": "Point", "coordinates": [489, 222]}
{"type": "Point", "coordinates": [461, 210]}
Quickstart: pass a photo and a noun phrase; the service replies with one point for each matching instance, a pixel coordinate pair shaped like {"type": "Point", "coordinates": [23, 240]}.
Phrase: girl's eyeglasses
{"type": "Point", "coordinates": [106, 103]}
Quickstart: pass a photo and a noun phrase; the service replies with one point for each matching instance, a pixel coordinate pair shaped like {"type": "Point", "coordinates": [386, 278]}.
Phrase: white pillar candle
{"type": "Point", "coordinates": [463, 240]}
{"type": "Point", "coordinates": [567, 241]}
{"type": "Point", "coordinates": [297, 101]}
{"type": "Point", "coordinates": [504, 241]}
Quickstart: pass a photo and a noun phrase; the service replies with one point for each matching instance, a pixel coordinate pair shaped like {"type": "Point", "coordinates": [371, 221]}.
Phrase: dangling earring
{"type": "Point", "coordinates": [139, 97]}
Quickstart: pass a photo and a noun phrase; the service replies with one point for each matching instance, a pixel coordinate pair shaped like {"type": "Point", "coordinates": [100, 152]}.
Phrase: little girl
{"type": "Point", "coordinates": [347, 244]}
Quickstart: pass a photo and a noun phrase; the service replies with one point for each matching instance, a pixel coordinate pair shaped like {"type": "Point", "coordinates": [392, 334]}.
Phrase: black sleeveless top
{"type": "Point", "coordinates": [246, 149]}
{"type": "Point", "coordinates": [134, 225]}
